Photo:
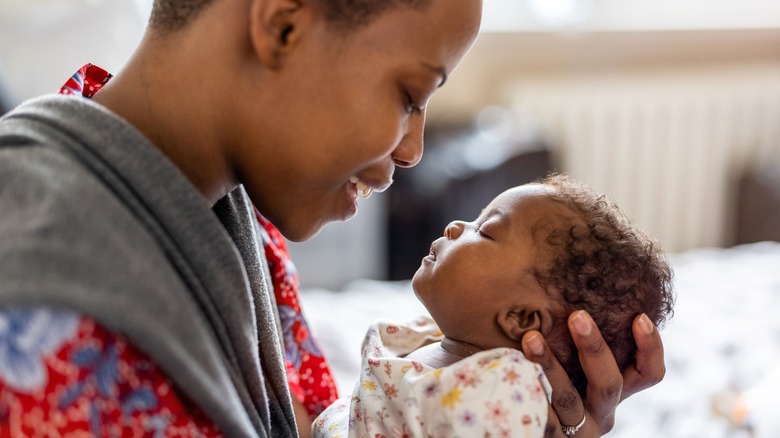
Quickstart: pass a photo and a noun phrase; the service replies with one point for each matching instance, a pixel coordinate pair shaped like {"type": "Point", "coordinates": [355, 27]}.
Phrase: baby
{"type": "Point", "coordinates": [536, 253]}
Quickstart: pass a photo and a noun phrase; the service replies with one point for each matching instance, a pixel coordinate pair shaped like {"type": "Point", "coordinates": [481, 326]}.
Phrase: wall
{"type": "Point", "coordinates": [663, 122]}
{"type": "Point", "coordinates": [43, 42]}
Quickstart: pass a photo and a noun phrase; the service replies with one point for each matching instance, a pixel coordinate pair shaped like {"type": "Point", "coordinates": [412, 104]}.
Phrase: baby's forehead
{"type": "Point", "coordinates": [531, 201]}
{"type": "Point", "coordinates": [538, 210]}
{"type": "Point", "coordinates": [526, 191]}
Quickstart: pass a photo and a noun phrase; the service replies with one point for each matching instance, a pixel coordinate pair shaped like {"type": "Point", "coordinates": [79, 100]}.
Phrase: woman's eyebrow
{"type": "Point", "coordinates": [439, 70]}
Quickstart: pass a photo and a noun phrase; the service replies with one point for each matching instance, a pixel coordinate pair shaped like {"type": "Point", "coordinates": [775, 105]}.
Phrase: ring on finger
{"type": "Point", "coordinates": [571, 430]}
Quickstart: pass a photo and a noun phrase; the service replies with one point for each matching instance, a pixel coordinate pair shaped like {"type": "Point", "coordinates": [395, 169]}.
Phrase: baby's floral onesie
{"type": "Point", "coordinates": [497, 393]}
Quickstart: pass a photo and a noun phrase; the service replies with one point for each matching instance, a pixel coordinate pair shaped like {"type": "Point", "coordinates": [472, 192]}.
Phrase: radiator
{"type": "Point", "coordinates": [668, 147]}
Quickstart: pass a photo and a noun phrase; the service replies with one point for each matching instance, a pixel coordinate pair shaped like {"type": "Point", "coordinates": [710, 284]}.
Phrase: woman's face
{"type": "Point", "coordinates": [353, 107]}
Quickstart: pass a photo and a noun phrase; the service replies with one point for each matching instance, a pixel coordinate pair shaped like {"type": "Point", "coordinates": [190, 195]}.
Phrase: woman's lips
{"type": "Point", "coordinates": [364, 190]}
{"type": "Point", "coordinates": [366, 185]}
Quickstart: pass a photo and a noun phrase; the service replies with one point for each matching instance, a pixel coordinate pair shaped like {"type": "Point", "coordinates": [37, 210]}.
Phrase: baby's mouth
{"type": "Point", "coordinates": [432, 253]}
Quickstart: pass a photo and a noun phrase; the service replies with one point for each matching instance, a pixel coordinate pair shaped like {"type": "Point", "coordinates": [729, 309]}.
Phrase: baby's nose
{"type": "Point", "coordinates": [454, 229]}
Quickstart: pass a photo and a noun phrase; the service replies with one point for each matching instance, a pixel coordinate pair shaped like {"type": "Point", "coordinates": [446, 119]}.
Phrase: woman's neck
{"type": "Point", "coordinates": [173, 113]}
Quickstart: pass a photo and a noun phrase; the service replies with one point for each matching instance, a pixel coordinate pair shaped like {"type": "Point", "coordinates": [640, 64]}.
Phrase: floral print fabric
{"type": "Point", "coordinates": [492, 393]}
{"type": "Point", "coordinates": [61, 374]}
{"type": "Point", "coordinates": [87, 81]}
{"type": "Point", "coordinates": [309, 375]}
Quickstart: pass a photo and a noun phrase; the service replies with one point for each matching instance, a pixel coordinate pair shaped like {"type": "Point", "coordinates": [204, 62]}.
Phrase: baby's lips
{"type": "Point", "coordinates": [433, 250]}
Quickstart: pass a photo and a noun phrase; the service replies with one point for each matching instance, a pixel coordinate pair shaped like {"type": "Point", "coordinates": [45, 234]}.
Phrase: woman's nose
{"type": "Point", "coordinates": [410, 150]}
{"type": "Point", "coordinates": [454, 229]}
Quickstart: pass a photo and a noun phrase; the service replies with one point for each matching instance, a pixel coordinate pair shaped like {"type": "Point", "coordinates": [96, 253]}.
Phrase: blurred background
{"type": "Point", "coordinates": [670, 107]}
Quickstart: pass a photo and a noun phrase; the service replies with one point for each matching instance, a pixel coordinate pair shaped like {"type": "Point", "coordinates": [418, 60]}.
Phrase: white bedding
{"type": "Point", "coordinates": [724, 339]}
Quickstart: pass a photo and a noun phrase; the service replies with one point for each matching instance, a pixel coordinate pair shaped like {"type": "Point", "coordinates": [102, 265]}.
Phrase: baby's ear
{"type": "Point", "coordinates": [516, 321]}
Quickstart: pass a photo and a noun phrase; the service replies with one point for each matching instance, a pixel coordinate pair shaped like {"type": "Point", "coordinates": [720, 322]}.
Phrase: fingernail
{"type": "Point", "coordinates": [535, 344]}
{"type": "Point", "coordinates": [646, 325]}
{"type": "Point", "coordinates": [582, 323]}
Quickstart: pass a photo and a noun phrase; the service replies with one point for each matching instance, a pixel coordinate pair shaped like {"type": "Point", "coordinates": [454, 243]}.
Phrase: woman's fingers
{"type": "Point", "coordinates": [566, 402]}
{"type": "Point", "coordinates": [553, 428]}
{"type": "Point", "coordinates": [606, 385]}
{"type": "Point", "coordinates": [605, 382]}
{"type": "Point", "coordinates": [649, 368]}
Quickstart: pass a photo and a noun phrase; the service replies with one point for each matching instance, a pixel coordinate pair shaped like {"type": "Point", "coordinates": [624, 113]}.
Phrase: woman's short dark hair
{"type": "Point", "coordinates": [173, 15]}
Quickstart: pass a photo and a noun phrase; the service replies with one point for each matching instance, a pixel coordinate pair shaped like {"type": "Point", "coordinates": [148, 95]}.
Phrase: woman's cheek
{"type": "Point", "coordinates": [392, 132]}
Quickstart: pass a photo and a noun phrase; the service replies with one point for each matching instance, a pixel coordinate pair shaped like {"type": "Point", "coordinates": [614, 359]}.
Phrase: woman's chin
{"type": "Point", "coordinates": [307, 223]}
{"type": "Point", "coordinates": [301, 232]}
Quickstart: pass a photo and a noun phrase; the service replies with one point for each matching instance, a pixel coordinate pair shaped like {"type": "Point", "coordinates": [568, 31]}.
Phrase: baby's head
{"type": "Point", "coordinates": [536, 253]}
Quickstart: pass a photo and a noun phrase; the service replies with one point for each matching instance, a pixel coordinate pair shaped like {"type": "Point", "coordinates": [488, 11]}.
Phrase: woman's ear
{"type": "Point", "coordinates": [275, 28]}
{"type": "Point", "coordinates": [517, 321]}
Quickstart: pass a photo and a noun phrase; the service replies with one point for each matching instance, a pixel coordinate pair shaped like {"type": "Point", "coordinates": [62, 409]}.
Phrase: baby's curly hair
{"type": "Point", "coordinates": [172, 15]}
{"type": "Point", "coordinates": [602, 263]}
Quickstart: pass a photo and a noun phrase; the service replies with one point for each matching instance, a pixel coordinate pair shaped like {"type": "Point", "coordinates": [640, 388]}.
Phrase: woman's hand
{"type": "Point", "coordinates": [606, 386]}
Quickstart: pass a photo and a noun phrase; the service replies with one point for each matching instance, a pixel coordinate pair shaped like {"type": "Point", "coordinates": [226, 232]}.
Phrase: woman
{"type": "Point", "coordinates": [108, 236]}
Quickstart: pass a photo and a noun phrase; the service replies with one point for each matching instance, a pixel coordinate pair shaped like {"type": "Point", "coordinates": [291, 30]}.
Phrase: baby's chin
{"type": "Point", "coordinates": [417, 283]}
{"type": "Point", "coordinates": [419, 290]}
{"type": "Point", "coordinates": [414, 288]}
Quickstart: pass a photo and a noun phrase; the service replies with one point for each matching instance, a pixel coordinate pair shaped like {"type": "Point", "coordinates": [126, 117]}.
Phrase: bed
{"type": "Point", "coordinates": [722, 346]}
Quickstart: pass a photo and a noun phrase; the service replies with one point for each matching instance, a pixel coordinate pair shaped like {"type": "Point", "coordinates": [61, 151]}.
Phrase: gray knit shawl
{"type": "Point", "coordinates": [94, 218]}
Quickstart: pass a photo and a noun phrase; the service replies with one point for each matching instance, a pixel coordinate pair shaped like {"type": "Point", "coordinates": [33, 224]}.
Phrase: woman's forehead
{"type": "Point", "coordinates": [439, 33]}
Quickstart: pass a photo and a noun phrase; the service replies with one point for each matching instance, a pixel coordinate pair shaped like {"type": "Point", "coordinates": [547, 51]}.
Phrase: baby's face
{"type": "Point", "coordinates": [480, 268]}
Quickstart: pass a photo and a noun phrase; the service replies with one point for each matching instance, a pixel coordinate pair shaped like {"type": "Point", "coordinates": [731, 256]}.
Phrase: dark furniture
{"type": "Point", "coordinates": [758, 204]}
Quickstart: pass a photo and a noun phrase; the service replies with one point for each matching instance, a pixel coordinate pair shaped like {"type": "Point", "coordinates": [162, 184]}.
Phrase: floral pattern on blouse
{"type": "Point", "coordinates": [309, 376]}
{"type": "Point", "coordinates": [26, 337]}
{"type": "Point", "coordinates": [63, 374]}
